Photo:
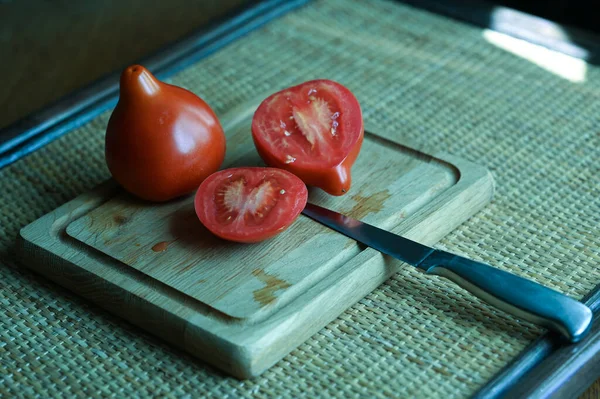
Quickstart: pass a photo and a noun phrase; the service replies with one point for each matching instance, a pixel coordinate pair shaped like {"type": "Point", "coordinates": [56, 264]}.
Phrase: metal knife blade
{"type": "Point", "coordinates": [385, 242]}
{"type": "Point", "coordinates": [508, 292]}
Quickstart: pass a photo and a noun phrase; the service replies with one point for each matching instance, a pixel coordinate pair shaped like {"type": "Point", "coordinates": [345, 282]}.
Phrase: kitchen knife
{"type": "Point", "coordinates": [515, 295]}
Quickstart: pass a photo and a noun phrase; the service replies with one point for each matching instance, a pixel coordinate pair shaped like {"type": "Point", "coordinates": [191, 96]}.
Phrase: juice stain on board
{"type": "Point", "coordinates": [266, 295]}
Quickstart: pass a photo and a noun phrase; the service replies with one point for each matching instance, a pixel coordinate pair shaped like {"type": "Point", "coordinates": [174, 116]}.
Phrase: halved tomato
{"type": "Point", "coordinates": [250, 204]}
{"type": "Point", "coordinates": [314, 130]}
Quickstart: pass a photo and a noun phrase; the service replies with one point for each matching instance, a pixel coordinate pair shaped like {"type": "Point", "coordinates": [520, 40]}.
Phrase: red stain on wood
{"type": "Point", "coordinates": [368, 204]}
{"type": "Point", "coordinates": [161, 246]}
{"type": "Point", "coordinates": [120, 219]}
{"type": "Point", "coordinates": [266, 295]}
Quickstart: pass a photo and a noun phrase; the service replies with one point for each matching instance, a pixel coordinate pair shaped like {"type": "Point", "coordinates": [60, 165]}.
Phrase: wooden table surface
{"type": "Point", "coordinates": [56, 47]}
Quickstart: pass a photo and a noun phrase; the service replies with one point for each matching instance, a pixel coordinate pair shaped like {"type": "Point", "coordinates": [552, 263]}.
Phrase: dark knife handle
{"type": "Point", "coordinates": [513, 294]}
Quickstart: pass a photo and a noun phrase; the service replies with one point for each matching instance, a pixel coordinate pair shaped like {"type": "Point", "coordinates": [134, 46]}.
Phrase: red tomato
{"type": "Point", "coordinates": [314, 130]}
{"type": "Point", "coordinates": [162, 141]}
{"type": "Point", "coordinates": [250, 204]}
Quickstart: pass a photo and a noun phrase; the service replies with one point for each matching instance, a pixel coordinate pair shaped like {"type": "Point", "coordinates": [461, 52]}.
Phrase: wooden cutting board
{"type": "Point", "coordinates": [242, 307]}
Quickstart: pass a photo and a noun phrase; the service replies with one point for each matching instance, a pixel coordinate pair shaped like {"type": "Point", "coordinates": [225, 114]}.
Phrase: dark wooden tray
{"type": "Point", "coordinates": [547, 367]}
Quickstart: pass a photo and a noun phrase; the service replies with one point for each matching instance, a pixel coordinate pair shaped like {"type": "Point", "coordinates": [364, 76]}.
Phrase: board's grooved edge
{"type": "Point", "coordinates": [243, 347]}
{"type": "Point", "coordinates": [416, 153]}
{"type": "Point", "coordinates": [58, 233]}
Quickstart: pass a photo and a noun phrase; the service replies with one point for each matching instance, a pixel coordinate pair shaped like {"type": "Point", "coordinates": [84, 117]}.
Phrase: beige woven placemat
{"type": "Point", "coordinates": [445, 87]}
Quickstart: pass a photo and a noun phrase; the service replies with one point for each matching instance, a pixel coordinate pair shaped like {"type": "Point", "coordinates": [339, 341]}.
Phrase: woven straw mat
{"type": "Point", "coordinates": [446, 88]}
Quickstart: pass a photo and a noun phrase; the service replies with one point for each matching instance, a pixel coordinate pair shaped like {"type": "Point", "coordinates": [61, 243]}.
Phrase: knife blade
{"type": "Point", "coordinates": [516, 295]}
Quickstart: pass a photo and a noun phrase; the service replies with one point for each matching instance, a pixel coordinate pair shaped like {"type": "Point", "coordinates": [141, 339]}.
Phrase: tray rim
{"type": "Point", "coordinates": [41, 128]}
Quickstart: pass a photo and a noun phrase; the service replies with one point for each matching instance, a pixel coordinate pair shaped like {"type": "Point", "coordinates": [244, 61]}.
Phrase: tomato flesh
{"type": "Point", "coordinates": [250, 204]}
{"type": "Point", "coordinates": [313, 130]}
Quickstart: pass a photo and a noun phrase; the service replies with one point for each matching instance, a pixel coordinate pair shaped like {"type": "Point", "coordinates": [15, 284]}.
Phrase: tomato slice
{"type": "Point", "coordinates": [250, 204]}
{"type": "Point", "coordinates": [314, 130]}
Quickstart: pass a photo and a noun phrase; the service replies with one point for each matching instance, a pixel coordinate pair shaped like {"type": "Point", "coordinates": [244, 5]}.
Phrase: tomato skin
{"type": "Point", "coordinates": [277, 209]}
{"type": "Point", "coordinates": [161, 141]}
{"type": "Point", "coordinates": [335, 178]}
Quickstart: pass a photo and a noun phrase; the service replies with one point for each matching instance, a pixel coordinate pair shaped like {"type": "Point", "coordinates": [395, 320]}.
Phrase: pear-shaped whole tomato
{"type": "Point", "coordinates": [162, 141]}
{"type": "Point", "coordinates": [314, 130]}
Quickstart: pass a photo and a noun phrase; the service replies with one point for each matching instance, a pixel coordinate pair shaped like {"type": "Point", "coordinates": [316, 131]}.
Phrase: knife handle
{"type": "Point", "coordinates": [513, 294]}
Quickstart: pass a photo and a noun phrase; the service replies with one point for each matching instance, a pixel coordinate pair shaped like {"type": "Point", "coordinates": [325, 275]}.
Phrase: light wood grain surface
{"type": "Point", "coordinates": [185, 254]}
{"type": "Point", "coordinates": [243, 307]}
